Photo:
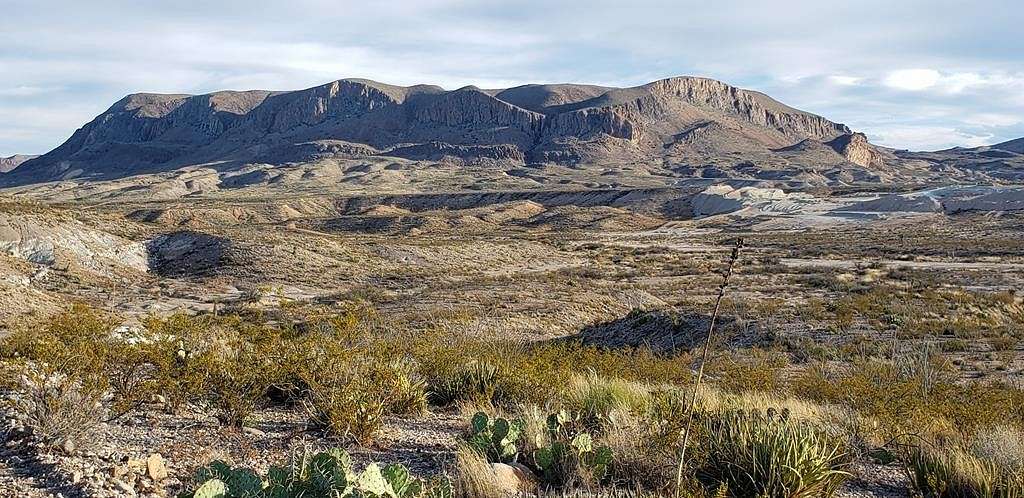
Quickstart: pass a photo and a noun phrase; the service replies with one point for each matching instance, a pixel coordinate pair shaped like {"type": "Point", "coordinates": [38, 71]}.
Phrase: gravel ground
{"type": "Point", "coordinates": [115, 463]}
{"type": "Point", "coordinates": [874, 480]}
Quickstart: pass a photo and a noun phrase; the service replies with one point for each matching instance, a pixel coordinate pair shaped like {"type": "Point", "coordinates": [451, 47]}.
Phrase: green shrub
{"type": "Point", "coordinates": [769, 456]}
{"type": "Point", "coordinates": [343, 403]}
{"type": "Point", "coordinates": [235, 383]}
{"type": "Point", "coordinates": [473, 381]}
{"type": "Point", "coordinates": [923, 399]}
{"type": "Point", "coordinates": [404, 392]}
{"type": "Point", "coordinates": [757, 371]}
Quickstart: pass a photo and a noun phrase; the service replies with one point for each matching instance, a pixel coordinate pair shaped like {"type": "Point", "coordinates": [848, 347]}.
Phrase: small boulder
{"type": "Point", "coordinates": [156, 468]}
{"type": "Point", "coordinates": [514, 478]}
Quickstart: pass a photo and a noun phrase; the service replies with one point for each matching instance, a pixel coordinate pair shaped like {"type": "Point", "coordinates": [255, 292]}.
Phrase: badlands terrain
{"type": "Point", "coordinates": [876, 296]}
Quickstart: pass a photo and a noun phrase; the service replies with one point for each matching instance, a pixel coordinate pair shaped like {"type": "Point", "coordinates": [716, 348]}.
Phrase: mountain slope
{"type": "Point", "coordinates": [1012, 146]}
{"type": "Point", "coordinates": [684, 120]}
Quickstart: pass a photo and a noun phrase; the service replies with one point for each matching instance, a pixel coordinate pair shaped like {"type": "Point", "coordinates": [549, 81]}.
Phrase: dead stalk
{"type": "Point", "coordinates": [704, 359]}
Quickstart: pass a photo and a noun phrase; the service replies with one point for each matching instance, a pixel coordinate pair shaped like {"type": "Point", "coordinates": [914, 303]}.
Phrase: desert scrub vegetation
{"type": "Point", "coordinates": [634, 446]}
{"type": "Point", "coordinates": [58, 410]}
{"type": "Point", "coordinates": [576, 416]}
{"type": "Point", "coordinates": [929, 310]}
{"type": "Point", "coordinates": [346, 368]}
{"type": "Point", "coordinates": [901, 400]}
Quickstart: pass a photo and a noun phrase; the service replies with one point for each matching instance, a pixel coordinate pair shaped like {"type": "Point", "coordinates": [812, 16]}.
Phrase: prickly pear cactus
{"type": "Point", "coordinates": [402, 482]}
{"type": "Point", "coordinates": [323, 475]}
{"type": "Point", "coordinates": [496, 440]}
{"type": "Point", "coordinates": [240, 483]}
{"type": "Point", "coordinates": [214, 488]}
{"type": "Point", "coordinates": [372, 483]}
{"type": "Point", "coordinates": [440, 489]}
{"type": "Point", "coordinates": [564, 444]}
{"type": "Point", "coordinates": [599, 461]}
{"type": "Point", "coordinates": [329, 472]}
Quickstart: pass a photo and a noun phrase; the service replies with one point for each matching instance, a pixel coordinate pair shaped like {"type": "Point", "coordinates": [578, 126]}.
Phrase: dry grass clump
{"type": "Point", "coordinates": [57, 409]}
{"type": "Point", "coordinates": [475, 478]}
{"type": "Point", "coordinates": [991, 466]}
{"type": "Point", "coordinates": [596, 398]}
{"type": "Point", "coordinates": [644, 451]}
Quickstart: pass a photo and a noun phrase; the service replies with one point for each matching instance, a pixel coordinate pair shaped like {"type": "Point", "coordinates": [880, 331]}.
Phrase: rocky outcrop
{"type": "Point", "coordinates": [439, 151]}
{"type": "Point", "coordinates": [65, 242]}
{"type": "Point", "coordinates": [856, 149]}
{"type": "Point", "coordinates": [752, 107]}
{"type": "Point", "coordinates": [545, 123]}
{"type": "Point", "coordinates": [470, 108]}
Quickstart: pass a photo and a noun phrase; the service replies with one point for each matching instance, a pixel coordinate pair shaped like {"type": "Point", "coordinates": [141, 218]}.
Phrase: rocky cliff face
{"type": "Point", "coordinates": [856, 149]}
{"type": "Point", "coordinates": [532, 123]}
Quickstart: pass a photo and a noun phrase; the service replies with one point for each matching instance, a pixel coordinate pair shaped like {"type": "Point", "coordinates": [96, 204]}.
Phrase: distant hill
{"type": "Point", "coordinates": [9, 163]}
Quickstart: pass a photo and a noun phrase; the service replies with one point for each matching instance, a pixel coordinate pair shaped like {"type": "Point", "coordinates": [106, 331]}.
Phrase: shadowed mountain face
{"type": "Point", "coordinates": [685, 125]}
{"type": "Point", "coordinates": [1016, 146]}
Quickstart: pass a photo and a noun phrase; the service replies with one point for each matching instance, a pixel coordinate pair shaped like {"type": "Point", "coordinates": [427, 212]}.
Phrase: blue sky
{"type": "Point", "coordinates": [909, 73]}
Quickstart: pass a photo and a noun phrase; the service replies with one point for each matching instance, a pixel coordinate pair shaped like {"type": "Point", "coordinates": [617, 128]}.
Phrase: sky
{"type": "Point", "coordinates": [915, 74]}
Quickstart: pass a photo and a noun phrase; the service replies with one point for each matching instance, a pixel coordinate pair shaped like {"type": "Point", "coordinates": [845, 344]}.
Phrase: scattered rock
{"type": "Point", "coordinates": [514, 478]}
{"type": "Point", "coordinates": [252, 431]}
{"type": "Point", "coordinates": [156, 468]}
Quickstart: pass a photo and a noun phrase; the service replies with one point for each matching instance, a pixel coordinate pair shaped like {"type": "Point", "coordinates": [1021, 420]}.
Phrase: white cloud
{"type": "Point", "coordinates": [993, 119]}
{"type": "Point", "coordinates": [845, 80]}
{"type": "Point", "coordinates": [913, 79]}
{"type": "Point", "coordinates": [927, 137]}
{"type": "Point", "coordinates": [23, 91]}
{"type": "Point", "coordinates": [951, 82]}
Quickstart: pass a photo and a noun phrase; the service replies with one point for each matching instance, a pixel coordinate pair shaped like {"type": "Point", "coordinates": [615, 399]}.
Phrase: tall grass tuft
{"type": "Point", "coordinates": [770, 456]}
{"type": "Point", "coordinates": [594, 398]}
{"type": "Point", "coordinates": [991, 467]}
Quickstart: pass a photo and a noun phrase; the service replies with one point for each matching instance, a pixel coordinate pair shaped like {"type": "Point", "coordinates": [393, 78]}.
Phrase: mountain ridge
{"type": "Point", "coordinates": [560, 123]}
